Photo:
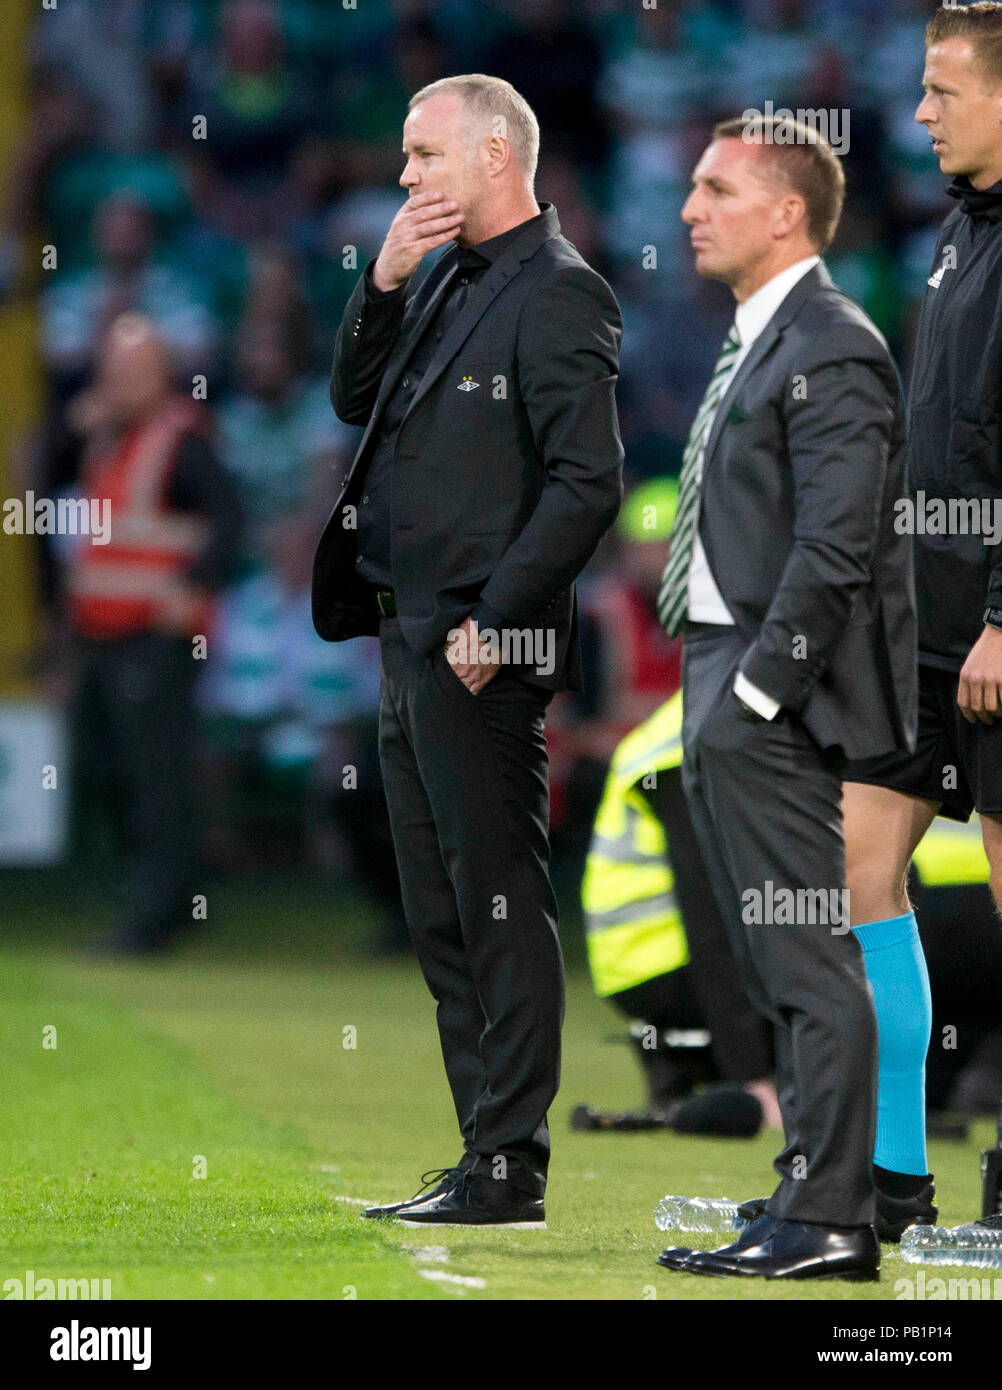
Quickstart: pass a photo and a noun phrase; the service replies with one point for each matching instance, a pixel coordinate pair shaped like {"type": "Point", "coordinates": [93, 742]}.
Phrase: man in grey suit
{"type": "Point", "coordinates": [795, 596]}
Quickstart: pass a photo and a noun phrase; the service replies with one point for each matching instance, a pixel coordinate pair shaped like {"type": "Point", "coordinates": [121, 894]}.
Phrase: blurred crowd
{"type": "Point", "coordinates": [226, 168]}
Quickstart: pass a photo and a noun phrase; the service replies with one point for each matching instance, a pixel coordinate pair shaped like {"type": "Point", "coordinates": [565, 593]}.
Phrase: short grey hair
{"type": "Point", "coordinates": [485, 99]}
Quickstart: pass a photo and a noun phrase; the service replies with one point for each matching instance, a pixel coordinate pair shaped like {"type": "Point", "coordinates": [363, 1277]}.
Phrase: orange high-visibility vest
{"type": "Point", "coordinates": [115, 588]}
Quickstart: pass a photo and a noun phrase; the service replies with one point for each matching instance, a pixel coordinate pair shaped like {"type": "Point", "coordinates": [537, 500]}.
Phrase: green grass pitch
{"type": "Point", "coordinates": [303, 1080]}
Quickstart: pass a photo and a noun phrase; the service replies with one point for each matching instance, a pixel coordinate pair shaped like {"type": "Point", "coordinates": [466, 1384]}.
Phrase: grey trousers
{"type": "Point", "coordinates": [765, 801]}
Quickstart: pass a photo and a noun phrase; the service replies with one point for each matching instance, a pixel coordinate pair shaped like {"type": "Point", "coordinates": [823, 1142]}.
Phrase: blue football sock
{"type": "Point", "coordinates": [896, 969]}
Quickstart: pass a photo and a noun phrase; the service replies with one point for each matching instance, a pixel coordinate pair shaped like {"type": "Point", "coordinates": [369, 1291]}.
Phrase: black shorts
{"type": "Point", "coordinates": [955, 763]}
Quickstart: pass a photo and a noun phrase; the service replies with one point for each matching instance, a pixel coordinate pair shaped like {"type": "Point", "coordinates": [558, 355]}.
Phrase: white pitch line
{"type": "Point", "coordinates": [442, 1276]}
{"type": "Point", "coordinates": [429, 1254]}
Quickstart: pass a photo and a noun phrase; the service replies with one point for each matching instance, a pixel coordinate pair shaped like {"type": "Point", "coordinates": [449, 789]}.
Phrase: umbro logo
{"type": "Point", "coordinates": [467, 384]}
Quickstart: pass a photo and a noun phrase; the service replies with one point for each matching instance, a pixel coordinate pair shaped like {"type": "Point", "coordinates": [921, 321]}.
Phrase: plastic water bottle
{"type": "Point", "coordinates": [703, 1215]}
{"type": "Point", "coordinates": [979, 1246]}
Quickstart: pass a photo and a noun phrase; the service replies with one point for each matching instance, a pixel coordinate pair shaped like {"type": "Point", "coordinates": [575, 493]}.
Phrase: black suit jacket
{"type": "Point", "coordinates": [802, 467]}
{"type": "Point", "coordinates": [501, 491]}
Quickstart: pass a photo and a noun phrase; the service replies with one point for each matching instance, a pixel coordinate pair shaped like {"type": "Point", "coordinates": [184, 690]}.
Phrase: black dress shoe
{"type": "Point", "coordinates": [753, 1208]}
{"type": "Point", "coordinates": [674, 1258]}
{"type": "Point", "coordinates": [474, 1199]}
{"type": "Point", "coordinates": [443, 1177]}
{"type": "Point", "coordinates": [796, 1250]}
{"type": "Point", "coordinates": [895, 1214]}
{"type": "Point", "coordinates": [753, 1234]}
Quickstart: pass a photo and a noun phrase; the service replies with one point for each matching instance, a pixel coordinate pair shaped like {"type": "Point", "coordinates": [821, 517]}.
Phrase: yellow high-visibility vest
{"type": "Point", "coordinates": [634, 927]}
{"type": "Point", "coordinates": [952, 853]}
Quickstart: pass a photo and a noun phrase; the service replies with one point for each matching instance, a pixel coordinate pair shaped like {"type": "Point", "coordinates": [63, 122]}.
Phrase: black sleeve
{"type": "Point", "coordinates": [569, 333]}
{"type": "Point", "coordinates": [364, 341]}
{"type": "Point", "coordinates": [200, 484]}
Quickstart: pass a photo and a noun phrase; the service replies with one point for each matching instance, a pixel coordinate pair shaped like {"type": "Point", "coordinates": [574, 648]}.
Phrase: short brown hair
{"type": "Point", "coordinates": [982, 24]}
{"type": "Point", "coordinates": [804, 161]}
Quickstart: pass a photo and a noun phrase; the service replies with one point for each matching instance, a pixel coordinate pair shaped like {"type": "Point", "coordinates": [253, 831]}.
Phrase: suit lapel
{"type": "Point", "coordinates": [405, 344]}
{"type": "Point", "coordinates": [505, 268]}
{"type": "Point", "coordinates": [817, 278]}
{"type": "Point", "coordinates": [762, 345]}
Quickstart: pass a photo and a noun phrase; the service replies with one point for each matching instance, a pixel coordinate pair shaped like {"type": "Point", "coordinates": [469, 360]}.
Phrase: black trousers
{"type": "Point", "coordinates": [467, 789]}
{"type": "Point", "coordinates": [766, 804]}
{"type": "Point", "coordinates": [135, 730]}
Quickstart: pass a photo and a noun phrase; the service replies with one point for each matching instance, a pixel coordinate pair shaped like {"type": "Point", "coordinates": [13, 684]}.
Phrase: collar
{"type": "Point", "coordinates": [752, 316]}
{"type": "Point", "coordinates": [487, 252]}
{"type": "Point", "coordinates": [977, 202]}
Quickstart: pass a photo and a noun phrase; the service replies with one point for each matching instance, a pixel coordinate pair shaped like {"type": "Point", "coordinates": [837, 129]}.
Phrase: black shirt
{"type": "Point", "coordinates": [375, 518]}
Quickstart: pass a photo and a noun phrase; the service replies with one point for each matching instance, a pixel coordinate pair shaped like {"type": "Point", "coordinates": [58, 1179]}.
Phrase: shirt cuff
{"type": "Point", "coordinates": [485, 616]}
{"type": "Point", "coordinates": [756, 699]}
{"type": "Point", "coordinates": [372, 291]}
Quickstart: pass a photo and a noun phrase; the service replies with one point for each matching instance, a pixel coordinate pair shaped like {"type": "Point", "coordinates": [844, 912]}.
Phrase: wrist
{"type": "Point", "coordinates": [382, 283]}
{"type": "Point", "coordinates": [993, 618]}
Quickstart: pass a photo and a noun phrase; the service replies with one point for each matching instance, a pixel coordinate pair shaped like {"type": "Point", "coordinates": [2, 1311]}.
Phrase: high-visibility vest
{"type": "Point", "coordinates": [634, 927]}
{"type": "Point", "coordinates": [114, 588]}
{"type": "Point", "coordinates": [952, 853]}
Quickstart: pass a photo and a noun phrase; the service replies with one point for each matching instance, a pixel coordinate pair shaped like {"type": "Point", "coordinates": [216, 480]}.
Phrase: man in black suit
{"type": "Point", "coordinates": [490, 467]}
{"type": "Point", "coordinates": [794, 592]}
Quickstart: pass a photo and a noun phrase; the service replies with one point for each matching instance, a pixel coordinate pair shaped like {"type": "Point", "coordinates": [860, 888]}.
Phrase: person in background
{"type": "Point", "coordinates": [659, 952]}
{"type": "Point", "coordinates": [77, 310]}
{"type": "Point", "coordinates": [284, 707]}
{"type": "Point", "coordinates": [631, 666]}
{"type": "Point", "coordinates": [136, 598]}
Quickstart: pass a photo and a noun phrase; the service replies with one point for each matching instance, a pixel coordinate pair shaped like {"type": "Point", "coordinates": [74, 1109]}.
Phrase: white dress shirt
{"type": "Point", "coordinates": [706, 603]}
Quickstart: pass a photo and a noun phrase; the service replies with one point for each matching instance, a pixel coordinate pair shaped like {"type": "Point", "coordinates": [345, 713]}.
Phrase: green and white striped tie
{"type": "Point", "coordinates": [673, 597]}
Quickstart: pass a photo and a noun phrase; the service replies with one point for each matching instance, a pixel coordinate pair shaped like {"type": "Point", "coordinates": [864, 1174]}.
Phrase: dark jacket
{"type": "Point", "coordinates": [803, 464]}
{"type": "Point", "coordinates": [501, 493]}
{"type": "Point", "coordinates": [954, 423]}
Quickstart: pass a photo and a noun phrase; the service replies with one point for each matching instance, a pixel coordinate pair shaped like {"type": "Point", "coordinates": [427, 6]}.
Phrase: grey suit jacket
{"type": "Point", "coordinates": [803, 463]}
